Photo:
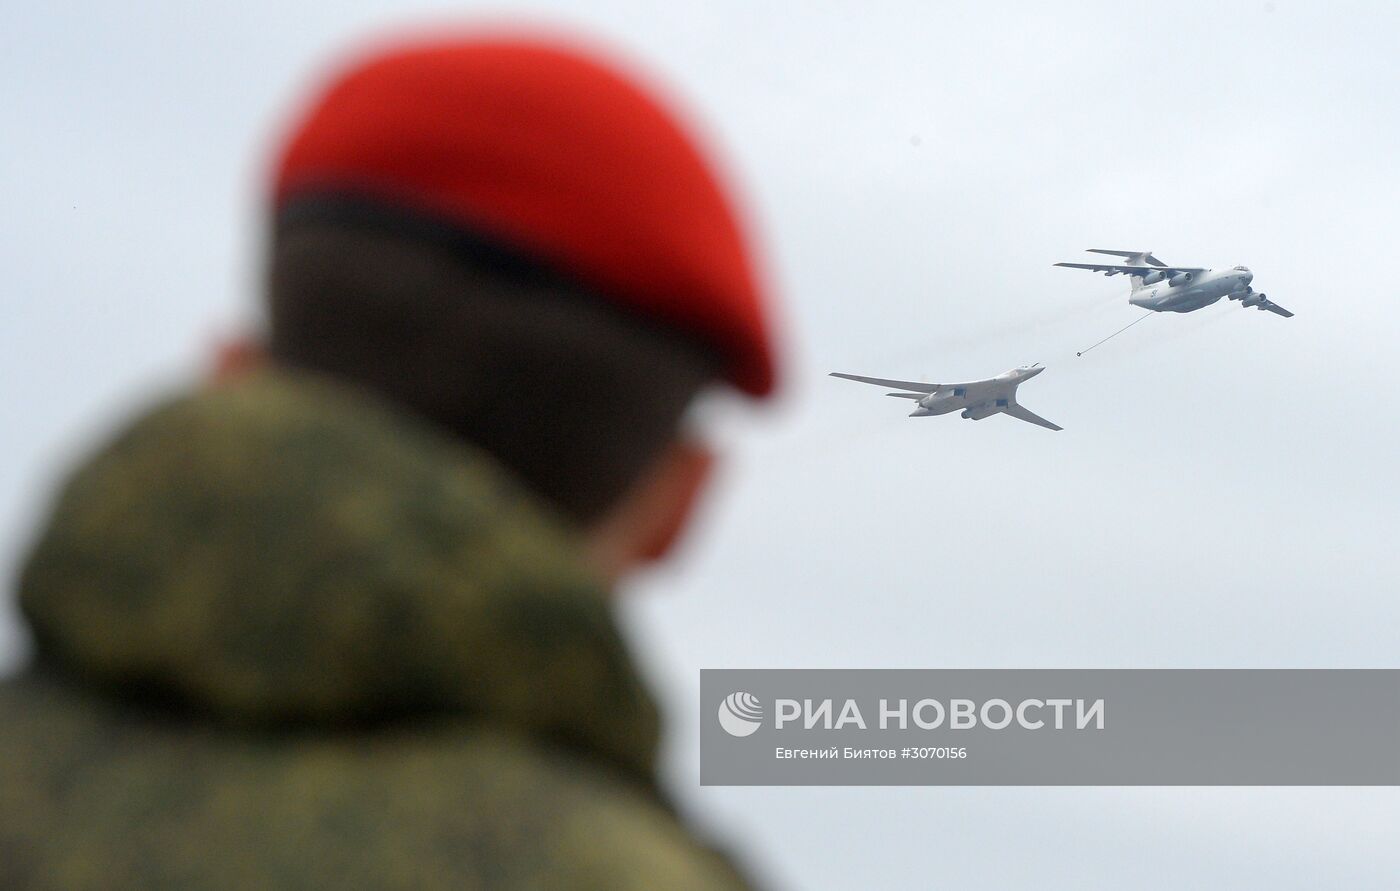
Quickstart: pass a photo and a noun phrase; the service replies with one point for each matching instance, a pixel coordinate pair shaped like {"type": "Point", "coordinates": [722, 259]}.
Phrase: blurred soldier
{"type": "Point", "coordinates": [343, 621]}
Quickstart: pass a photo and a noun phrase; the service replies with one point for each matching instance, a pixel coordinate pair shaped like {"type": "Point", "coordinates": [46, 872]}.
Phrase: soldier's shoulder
{"type": "Point", "coordinates": [454, 804]}
{"type": "Point", "coordinates": [611, 833]}
{"type": "Point", "coordinates": [567, 820]}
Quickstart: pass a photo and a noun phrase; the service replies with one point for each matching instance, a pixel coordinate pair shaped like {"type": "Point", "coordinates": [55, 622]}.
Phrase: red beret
{"type": "Point", "coordinates": [555, 153]}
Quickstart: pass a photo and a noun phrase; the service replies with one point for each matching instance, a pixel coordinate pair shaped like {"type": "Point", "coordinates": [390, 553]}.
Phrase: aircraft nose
{"type": "Point", "coordinates": [1248, 277]}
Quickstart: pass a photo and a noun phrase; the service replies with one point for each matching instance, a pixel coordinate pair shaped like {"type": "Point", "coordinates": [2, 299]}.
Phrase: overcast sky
{"type": "Point", "coordinates": [1224, 491]}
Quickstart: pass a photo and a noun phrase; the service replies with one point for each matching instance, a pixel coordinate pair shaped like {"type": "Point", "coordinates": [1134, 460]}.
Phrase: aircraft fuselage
{"type": "Point", "coordinates": [980, 401]}
{"type": "Point", "coordinates": [1203, 289]}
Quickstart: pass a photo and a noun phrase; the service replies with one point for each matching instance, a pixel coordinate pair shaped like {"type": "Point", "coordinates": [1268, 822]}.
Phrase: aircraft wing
{"type": "Point", "coordinates": [915, 386]}
{"type": "Point", "coordinates": [1116, 269]}
{"type": "Point", "coordinates": [1274, 307]}
{"type": "Point", "coordinates": [1022, 413]}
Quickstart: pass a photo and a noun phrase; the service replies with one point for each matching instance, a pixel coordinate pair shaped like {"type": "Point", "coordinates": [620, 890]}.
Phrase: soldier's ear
{"type": "Point", "coordinates": [235, 357]}
{"type": "Point", "coordinates": [684, 472]}
{"type": "Point", "coordinates": [652, 517]}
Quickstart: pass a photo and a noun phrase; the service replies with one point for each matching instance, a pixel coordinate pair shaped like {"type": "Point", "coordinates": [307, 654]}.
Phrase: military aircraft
{"type": "Point", "coordinates": [1163, 288]}
{"type": "Point", "coordinates": [976, 399]}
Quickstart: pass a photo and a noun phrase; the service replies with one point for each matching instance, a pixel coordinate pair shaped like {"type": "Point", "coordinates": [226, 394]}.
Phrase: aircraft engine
{"type": "Point", "coordinates": [1181, 278]}
{"type": "Point", "coordinates": [936, 400]}
{"type": "Point", "coordinates": [1152, 278]}
{"type": "Point", "coordinates": [977, 413]}
{"type": "Point", "coordinates": [1252, 299]}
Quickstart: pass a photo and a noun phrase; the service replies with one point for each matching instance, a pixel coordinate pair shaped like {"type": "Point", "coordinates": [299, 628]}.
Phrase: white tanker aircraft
{"type": "Point", "coordinates": [976, 399]}
{"type": "Point", "coordinates": [1163, 288]}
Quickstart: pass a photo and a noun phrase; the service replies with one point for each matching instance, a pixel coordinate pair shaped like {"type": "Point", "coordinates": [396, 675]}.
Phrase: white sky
{"type": "Point", "coordinates": [1223, 495]}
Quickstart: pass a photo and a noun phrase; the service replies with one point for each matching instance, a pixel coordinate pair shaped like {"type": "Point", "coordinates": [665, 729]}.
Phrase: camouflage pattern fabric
{"type": "Point", "coordinates": [289, 638]}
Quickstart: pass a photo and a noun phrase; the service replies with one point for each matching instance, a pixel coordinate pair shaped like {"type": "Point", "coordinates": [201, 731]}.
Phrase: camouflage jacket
{"type": "Point", "coordinates": [288, 638]}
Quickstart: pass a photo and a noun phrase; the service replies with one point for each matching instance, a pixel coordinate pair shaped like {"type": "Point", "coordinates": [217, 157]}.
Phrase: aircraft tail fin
{"type": "Point", "coordinates": [1131, 258]}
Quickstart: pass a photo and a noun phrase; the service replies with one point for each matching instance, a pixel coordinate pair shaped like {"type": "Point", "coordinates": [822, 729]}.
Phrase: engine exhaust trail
{"type": "Point", "coordinates": [1115, 333]}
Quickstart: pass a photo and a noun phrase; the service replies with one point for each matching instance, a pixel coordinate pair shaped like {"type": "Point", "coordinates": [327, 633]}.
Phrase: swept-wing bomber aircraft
{"type": "Point", "coordinates": [975, 399]}
{"type": "Point", "coordinates": [1163, 288]}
